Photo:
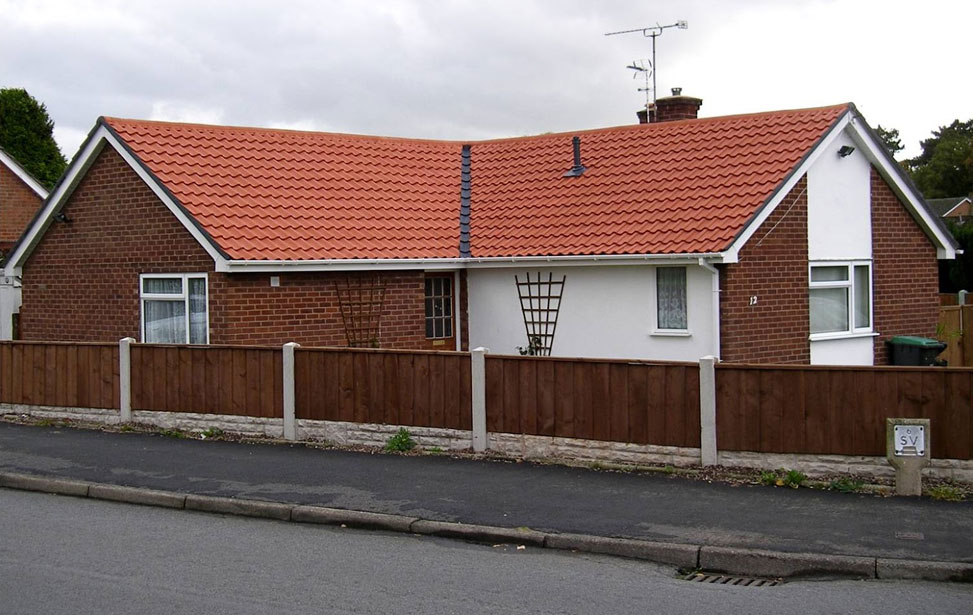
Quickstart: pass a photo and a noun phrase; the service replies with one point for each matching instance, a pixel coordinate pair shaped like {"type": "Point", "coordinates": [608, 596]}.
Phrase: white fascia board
{"type": "Point", "coordinates": [903, 188]}
{"type": "Point", "coordinates": [953, 208]}
{"type": "Point", "coordinates": [449, 264]}
{"type": "Point", "coordinates": [66, 187]}
{"type": "Point", "coordinates": [733, 252]}
{"type": "Point", "coordinates": [22, 173]}
{"type": "Point", "coordinates": [591, 260]}
{"type": "Point", "coordinates": [340, 264]}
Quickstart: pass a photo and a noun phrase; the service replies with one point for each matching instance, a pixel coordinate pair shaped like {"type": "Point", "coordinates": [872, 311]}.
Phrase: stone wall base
{"type": "Point", "coordinates": [818, 465]}
{"type": "Point", "coordinates": [503, 444]}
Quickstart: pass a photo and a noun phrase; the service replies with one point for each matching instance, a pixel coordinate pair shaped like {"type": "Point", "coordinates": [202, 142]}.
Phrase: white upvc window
{"type": "Point", "coordinates": [671, 303]}
{"type": "Point", "coordinates": [174, 308]}
{"type": "Point", "coordinates": [840, 298]}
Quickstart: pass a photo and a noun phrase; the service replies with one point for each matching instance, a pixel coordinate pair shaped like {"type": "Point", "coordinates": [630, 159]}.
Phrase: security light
{"type": "Point", "coordinates": [845, 150]}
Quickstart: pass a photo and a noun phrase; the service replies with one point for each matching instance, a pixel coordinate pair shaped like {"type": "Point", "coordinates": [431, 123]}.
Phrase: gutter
{"type": "Point", "coordinates": [431, 264]}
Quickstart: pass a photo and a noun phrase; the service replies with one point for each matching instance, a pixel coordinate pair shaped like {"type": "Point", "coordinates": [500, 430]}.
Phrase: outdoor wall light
{"type": "Point", "coordinates": [845, 150]}
{"type": "Point", "coordinates": [61, 217]}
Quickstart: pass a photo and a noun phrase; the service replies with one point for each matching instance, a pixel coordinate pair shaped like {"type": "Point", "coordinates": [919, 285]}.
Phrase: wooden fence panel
{"type": "Point", "coordinates": [419, 389]}
{"type": "Point", "coordinates": [59, 374]}
{"type": "Point", "coordinates": [967, 337]}
{"type": "Point", "coordinates": [950, 331]}
{"type": "Point", "coordinates": [207, 379]}
{"type": "Point", "coordinates": [840, 410]}
{"type": "Point", "coordinates": [621, 401]}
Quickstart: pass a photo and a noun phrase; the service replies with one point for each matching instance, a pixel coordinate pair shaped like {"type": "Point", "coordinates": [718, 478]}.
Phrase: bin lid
{"type": "Point", "coordinates": [912, 340]}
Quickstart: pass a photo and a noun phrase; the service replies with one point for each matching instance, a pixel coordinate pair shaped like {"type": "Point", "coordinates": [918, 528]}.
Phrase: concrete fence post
{"type": "Point", "coordinates": [707, 410]}
{"type": "Point", "coordinates": [125, 379]}
{"type": "Point", "coordinates": [478, 373]}
{"type": "Point", "coordinates": [290, 420]}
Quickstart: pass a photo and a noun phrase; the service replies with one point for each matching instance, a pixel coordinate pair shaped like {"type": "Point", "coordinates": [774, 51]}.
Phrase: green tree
{"type": "Point", "coordinates": [27, 134]}
{"type": "Point", "coordinates": [890, 139]}
{"type": "Point", "coordinates": [945, 166]}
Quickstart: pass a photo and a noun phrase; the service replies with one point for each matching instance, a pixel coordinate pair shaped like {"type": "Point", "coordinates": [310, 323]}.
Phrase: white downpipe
{"type": "Point", "coordinates": [457, 316]}
{"type": "Point", "coordinates": [716, 304]}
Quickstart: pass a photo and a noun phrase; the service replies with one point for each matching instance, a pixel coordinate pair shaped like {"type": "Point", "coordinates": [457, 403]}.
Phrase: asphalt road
{"type": "Point", "coordinates": [66, 555]}
{"type": "Point", "coordinates": [548, 498]}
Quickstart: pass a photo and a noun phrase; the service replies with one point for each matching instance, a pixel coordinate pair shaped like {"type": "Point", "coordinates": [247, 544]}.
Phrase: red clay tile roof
{"type": "Point", "coordinates": [287, 195]}
{"type": "Point", "coordinates": [670, 188]}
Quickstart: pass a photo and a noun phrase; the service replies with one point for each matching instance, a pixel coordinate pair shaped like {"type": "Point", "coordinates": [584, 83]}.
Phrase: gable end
{"type": "Point", "coordinates": [101, 136]}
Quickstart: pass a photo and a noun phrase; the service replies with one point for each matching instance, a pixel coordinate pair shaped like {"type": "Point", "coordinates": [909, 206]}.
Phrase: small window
{"type": "Point", "coordinates": [439, 307]}
{"type": "Point", "coordinates": [670, 285]}
{"type": "Point", "coordinates": [840, 298]}
{"type": "Point", "coordinates": [174, 309]}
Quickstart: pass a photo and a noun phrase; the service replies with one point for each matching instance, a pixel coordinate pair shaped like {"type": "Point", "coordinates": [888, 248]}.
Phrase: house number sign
{"type": "Point", "coordinates": [910, 440]}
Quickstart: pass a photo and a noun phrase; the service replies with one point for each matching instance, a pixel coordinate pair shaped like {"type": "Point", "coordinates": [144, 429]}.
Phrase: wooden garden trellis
{"type": "Point", "coordinates": [540, 302]}
{"type": "Point", "coordinates": [361, 301]}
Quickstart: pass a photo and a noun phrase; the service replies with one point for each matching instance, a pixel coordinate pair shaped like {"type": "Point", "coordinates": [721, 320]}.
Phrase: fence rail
{"type": "Point", "coordinates": [760, 408]}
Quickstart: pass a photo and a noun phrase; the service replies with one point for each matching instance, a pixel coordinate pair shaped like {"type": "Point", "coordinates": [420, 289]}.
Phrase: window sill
{"type": "Point", "coordinates": [823, 337]}
{"type": "Point", "coordinates": [671, 333]}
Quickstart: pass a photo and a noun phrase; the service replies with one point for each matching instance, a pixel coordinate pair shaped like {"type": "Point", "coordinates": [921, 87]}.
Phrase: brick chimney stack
{"type": "Point", "coordinates": [671, 108]}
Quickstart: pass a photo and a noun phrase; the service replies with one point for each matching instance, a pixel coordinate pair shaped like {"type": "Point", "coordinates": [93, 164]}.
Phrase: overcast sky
{"type": "Point", "coordinates": [472, 69]}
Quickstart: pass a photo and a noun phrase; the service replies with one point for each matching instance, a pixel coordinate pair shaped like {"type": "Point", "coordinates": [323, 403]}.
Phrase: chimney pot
{"type": "Point", "coordinates": [677, 91]}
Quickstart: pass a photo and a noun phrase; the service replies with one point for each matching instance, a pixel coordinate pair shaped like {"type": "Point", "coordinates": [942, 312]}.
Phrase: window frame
{"type": "Point", "coordinates": [183, 296]}
{"type": "Point", "coordinates": [447, 300]}
{"type": "Point", "coordinates": [660, 331]}
{"type": "Point", "coordinates": [851, 294]}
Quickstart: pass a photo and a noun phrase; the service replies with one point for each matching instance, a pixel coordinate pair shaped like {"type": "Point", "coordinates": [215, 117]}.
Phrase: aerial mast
{"type": "Point", "coordinates": [652, 32]}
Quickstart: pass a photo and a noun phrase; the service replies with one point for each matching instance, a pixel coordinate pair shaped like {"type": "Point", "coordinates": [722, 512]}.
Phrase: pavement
{"type": "Point", "coordinates": [690, 524]}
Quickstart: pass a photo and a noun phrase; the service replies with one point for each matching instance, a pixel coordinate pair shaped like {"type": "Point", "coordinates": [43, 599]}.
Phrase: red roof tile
{"type": "Point", "coordinates": [288, 195]}
{"type": "Point", "coordinates": [669, 188]}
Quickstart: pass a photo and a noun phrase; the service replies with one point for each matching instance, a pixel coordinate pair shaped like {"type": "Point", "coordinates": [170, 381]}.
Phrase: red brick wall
{"type": "Point", "coordinates": [305, 308]}
{"type": "Point", "coordinates": [772, 267]}
{"type": "Point", "coordinates": [904, 271]}
{"type": "Point", "coordinates": [81, 282]}
{"type": "Point", "coordinates": [18, 204]}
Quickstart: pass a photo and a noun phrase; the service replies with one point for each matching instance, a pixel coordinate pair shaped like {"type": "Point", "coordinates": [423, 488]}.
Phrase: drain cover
{"type": "Point", "coordinates": [719, 579]}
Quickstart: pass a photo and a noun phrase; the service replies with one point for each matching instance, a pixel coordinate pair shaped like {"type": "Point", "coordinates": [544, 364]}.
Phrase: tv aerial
{"type": "Point", "coordinates": [648, 67]}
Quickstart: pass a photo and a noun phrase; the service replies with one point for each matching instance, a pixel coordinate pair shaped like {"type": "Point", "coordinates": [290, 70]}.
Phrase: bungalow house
{"type": "Point", "coordinates": [20, 197]}
{"type": "Point", "coordinates": [956, 209]}
{"type": "Point", "coordinates": [788, 236]}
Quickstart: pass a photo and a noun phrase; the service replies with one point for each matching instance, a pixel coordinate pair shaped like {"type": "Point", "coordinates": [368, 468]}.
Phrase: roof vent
{"type": "Point", "coordinates": [578, 169]}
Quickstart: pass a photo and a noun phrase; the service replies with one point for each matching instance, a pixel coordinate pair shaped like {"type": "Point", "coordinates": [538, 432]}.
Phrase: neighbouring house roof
{"type": "Point", "coordinates": [23, 174]}
{"type": "Point", "coordinates": [263, 197]}
{"type": "Point", "coordinates": [942, 207]}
